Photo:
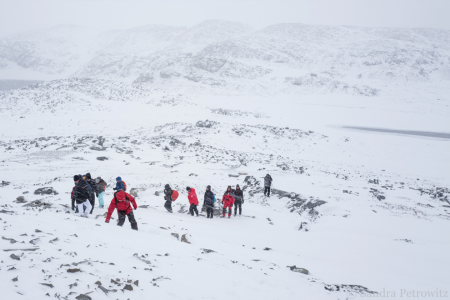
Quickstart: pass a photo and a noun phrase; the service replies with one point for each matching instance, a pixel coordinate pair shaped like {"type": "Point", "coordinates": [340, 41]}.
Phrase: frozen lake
{"type": "Point", "coordinates": [440, 135]}
{"type": "Point", "coordinates": [11, 84]}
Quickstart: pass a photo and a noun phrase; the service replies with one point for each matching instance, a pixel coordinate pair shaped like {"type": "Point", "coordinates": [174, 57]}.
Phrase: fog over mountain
{"type": "Point", "coordinates": [351, 123]}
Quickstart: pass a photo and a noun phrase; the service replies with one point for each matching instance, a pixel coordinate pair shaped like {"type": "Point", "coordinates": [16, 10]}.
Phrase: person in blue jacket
{"type": "Point", "coordinates": [119, 185]}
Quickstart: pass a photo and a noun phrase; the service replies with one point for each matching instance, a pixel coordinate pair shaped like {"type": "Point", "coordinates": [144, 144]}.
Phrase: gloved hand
{"type": "Point", "coordinates": [96, 194]}
{"type": "Point", "coordinates": [231, 205]}
{"type": "Point", "coordinates": [106, 221]}
{"type": "Point", "coordinates": [115, 189]}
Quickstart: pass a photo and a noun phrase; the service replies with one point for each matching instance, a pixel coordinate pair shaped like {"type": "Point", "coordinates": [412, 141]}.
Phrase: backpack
{"type": "Point", "coordinates": [209, 201]}
{"type": "Point", "coordinates": [174, 195]}
{"type": "Point", "coordinates": [124, 185]}
{"type": "Point", "coordinates": [126, 199]}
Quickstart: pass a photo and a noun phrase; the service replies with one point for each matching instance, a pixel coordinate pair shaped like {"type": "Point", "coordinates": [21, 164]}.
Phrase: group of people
{"type": "Point", "coordinates": [230, 197]}
{"type": "Point", "coordinates": [85, 190]}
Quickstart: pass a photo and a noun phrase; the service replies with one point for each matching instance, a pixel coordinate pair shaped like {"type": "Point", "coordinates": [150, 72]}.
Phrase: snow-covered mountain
{"type": "Point", "coordinates": [228, 57]}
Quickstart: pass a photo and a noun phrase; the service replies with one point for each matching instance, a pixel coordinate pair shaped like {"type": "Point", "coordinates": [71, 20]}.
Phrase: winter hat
{"type": "Point", "coordinates": [188, 188]}
{"type": "Point", "coordinates": [167, 186]}
{"type": "Point", "coordinates": [237, 186]}
{"type": "Point", "coordinates": [208, 187]}
{"type": "Point", "coordinates": [76, 177]}
{"type": "Point", "coordinates": [118, 179]}
{"type": "Point", "coordinates": [88, 175]}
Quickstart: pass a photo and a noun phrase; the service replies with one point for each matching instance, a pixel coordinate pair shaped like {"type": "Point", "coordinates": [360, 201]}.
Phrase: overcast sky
{"type": "Point", "coordinates": [18, 15]}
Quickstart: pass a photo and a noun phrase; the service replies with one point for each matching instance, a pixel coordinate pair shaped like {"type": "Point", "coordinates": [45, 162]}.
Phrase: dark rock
{"type": "Point", "coordinates": [143, 206]}
{"type": "Point", "coordinates": [298, 270]}
{"type": "Point", "coordinates": [37, 230]}
{"type": "Point", "coordinates": [48, 284]}
{"type": "Point", "coordinates": [4, 183]}
{"type": "Point", "coordinates": [8, 212]}
{"type": "Point", "coordinates": [20, 199]}
{"type": "Point", "coordinates": [35, 241]}
{"type": "Point", "coordinates": [380, 197]}
{"type": "Point", "coordinates": [98, 148]}
{"type": "Point", "coordinates": [98, 282]}
{"type": "Point", "coordinates": [73, 270]}
{"type": "Point", "coordinates": [83, 297]}
{"type": "Point", "coordinates": [348, 288]}
{"type": "Point", "coordinates": [267, 249]}
{"type": "Point", "coordinates": [45, 191]}
{"type": "Point", "coordinates": [136, 283]}
{"type": "Point", "coordinates": [208, 250]}
{"type": "Point", "coordinates": [15, 278]}
{"type": "Point", "coordinates": [38, 203]}
{"type": "Point", "coordinates": [128, 287]}
{"type": "Point", "coordinates": [184, 239]}
{"type": "Point", "coordinates": [102, 158]}
{"type": "Point", "coordinates": [176, 235]}
{"type": "Point", "coordinates": [11, 240]}
{"type": "Point", "coordinates": [13, 256]}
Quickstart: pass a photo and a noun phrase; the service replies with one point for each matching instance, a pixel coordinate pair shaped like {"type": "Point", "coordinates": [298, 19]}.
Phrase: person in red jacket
{"type": "Point", "coordinates": [193, 201]}
{"type": "Point", "coordinates": [228, 201]}
{"type": "Point", "coordinates": [123, 201]}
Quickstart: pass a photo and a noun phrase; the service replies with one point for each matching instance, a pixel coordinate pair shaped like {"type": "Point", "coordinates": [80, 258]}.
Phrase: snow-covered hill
{"type": "Point", "coordinates": [352, 208]}
{"type": "Point", "coordinates": [227, 57]}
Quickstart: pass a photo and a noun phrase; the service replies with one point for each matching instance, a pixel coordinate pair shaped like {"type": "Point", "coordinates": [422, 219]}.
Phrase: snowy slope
{"type": "Point", "coordinates": [352, 208]}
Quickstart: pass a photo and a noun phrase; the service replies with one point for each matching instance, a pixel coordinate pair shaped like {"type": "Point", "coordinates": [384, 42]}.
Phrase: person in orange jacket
{"type": "Point", "coordinates": [228, 201]}
{"type": "Point", "coordinates": [123, 201]}
{"type": "Point", "coordinates": [193, 201]}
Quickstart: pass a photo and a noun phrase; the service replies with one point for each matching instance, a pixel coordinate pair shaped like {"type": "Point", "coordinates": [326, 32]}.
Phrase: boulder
{"type": "Point", "coordinates": [45, 191]}
{"type": "Point", "coordinates": [298, 270]}
{"type": "Point", "coordinates": [102, 158]}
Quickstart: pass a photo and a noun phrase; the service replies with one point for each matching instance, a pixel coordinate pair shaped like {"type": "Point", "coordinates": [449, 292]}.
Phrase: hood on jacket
{"type": "Point", "coordinates": [118, 179]}
{"type": "Point", "coordinates": [121, 195]}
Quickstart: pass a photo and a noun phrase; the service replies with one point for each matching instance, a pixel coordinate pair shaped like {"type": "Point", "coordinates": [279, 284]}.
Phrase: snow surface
{"type": "Point", "coordinates": [363, 212]}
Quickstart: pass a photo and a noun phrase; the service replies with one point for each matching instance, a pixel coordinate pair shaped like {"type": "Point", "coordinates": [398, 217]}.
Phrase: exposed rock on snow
{"type": "Point", "coordinates": [13, 256]}
{"type": "Point", "coordinates": [45, 191]}
{"type": "Point", "coordinates": [298, 270]}
{"type": "Point", "coordinates": [184, 238]}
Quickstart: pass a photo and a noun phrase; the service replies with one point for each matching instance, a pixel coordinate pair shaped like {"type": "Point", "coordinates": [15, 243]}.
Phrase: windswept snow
{"type": "Point", "coordinates": [352, 213]}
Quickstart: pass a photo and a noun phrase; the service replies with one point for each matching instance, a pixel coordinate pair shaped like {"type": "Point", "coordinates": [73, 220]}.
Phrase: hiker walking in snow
{"type": "Point", "coordinates": [267, 183]}
{"type": "Point", "coordinates": [123, 201]}
{"type": "Point", "coordinates": [93, 189]}
{"type": "Point", "coordinates": [81, 195]}
{"type": "Point", "coordinates": [101, 187]}
{"type": "Point", "coordinates": [193, 201]}
{"type": "Point", "coordinates": [208, 202]}
{"type": "Point", "coordinates": [168, 197]}
{"type": "Point", "coordinates": [120, 185]}
{"type": "Point", "coordinates": [228, 201]}
{"type": "Point", "coordinates": [238, 200]}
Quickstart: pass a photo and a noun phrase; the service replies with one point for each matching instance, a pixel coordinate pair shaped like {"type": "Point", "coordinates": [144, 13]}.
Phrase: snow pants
{"type": "Point", "coordinates": [224, 211]}
{"type": "Point", "coordinates": [192, 209]}
{"type": "Point", "coordinates": [100, 199]}
{"type": "Point", "coordinates": [236, 204]}
{"type": "Point", "coordinates": [267, 189]}
{"type": "Point", "coordinates": [209, 211]}
{"type": "Point", "coordinates": [131, 218]}
{"type": "Point", "coordinates": [168, 205]}
{"type": "Point", "coordinates": [81, 210]}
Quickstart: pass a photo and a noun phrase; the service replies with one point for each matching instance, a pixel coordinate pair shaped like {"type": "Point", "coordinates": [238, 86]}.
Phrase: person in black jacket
{"type": "Point", "coordinates": [168, 197]}
{"type": "Point", "coordinates": [81, 195]}
{"type": "Point", "coordinates": [238, 199]}
{"type": "Point", "coordinates": [93, 186]}
{"type": "Point", "coordinates": [208, 202]}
